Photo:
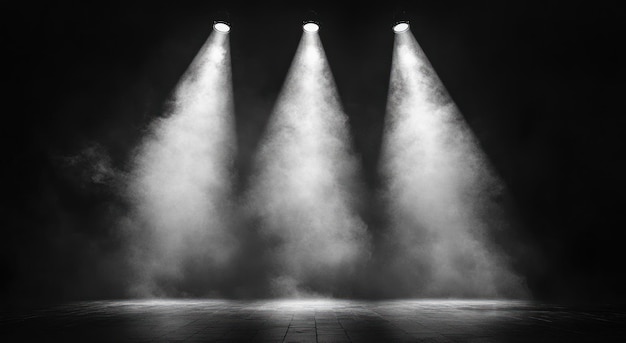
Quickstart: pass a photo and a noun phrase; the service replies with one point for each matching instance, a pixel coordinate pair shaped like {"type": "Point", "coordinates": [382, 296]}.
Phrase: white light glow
{"type": "Point", "coordinates": [400, 27]}
{"type": "Point", "coordinates": [311, 27]}
{"type": "Point", "coordinates": [305, 185]}
{"type": "Point", "coordinates": [181, 181]}
{"type": "Point", "coordinates": [441, 189]}
{"type": "Point", "coordinates": [221, 27]}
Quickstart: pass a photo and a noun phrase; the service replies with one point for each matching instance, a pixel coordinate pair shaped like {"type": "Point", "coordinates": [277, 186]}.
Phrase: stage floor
{"type": "Point", "coordinates": [314, 321]}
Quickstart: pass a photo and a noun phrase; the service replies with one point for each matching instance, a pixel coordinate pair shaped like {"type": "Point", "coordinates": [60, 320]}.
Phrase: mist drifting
{"type": "Point", "coordinates": [441, 194]}
{"type": "Point", "coordinates": [181, 181]}
{"type": "Point", "coordinates": [305, 189]}
{"type": "Point", "coordinates": [297, 229]}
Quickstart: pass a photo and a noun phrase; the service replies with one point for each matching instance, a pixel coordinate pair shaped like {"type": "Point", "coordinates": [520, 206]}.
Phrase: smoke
{"type": "Point", "coordinates": [304, 193]}
{"type": "Point", "coordinates": [180, 184]}
{"type": "Point", "coordinates": [442, 196]}
{"type": "Point", "coordinates": [298, 231]}
{"type": "Point", "coordinates": [90, 167]}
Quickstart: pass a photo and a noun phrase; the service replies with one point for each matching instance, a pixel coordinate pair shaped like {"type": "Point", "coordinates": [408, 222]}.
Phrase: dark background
{"type": "Point", "coordinates": [540, 84]}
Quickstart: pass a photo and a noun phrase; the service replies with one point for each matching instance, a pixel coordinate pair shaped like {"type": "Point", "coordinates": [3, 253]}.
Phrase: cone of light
{"type": "Point", "coordinates": [439, 189]}
{"type": "Point", "coordinates": [181, 182]}
{"type": "Point", "coordinates": [305, 186]}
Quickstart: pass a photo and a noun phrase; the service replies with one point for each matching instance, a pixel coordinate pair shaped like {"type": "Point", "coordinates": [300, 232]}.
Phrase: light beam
{"type": "Point", "coordinates": [442, 193]}
{"type": "Point", "coordinates": [305, 188]}
{"type": "Point", "coordinates": [181, 182]}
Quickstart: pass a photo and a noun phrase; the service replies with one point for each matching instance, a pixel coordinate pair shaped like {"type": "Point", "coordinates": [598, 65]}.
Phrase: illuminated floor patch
{"type": "Point", "coordinates": [318, 320]}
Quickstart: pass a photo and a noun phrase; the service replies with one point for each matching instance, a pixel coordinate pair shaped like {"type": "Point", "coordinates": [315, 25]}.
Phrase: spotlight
{"type": "Point", "coordinates": [222, 22]}
{"type": "Point", "coordinates": [400, 27]}
{"type": "Point", "coordinates": [401, 22]}
{"type": "Point", "coordinates": [311, 24]}
{"type": "Point", "coordinates": [221, 26]}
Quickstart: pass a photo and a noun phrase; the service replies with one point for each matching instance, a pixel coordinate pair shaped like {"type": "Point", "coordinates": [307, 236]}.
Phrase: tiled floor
{"type": "Point", "coordinates": [314, 321]}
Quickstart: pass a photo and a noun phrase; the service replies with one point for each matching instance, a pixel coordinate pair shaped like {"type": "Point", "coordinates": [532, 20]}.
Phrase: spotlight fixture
{"type": "Point", "coordinates": [221, 26]}
{"type": "Point", "coordinates": [311, 24]}
{"type": "Point", "coordinates": [401, 22]}
{"type": "Point", "coordinates": [222, 23]}
{"type": "Point", "coordinates": [400, 27]}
